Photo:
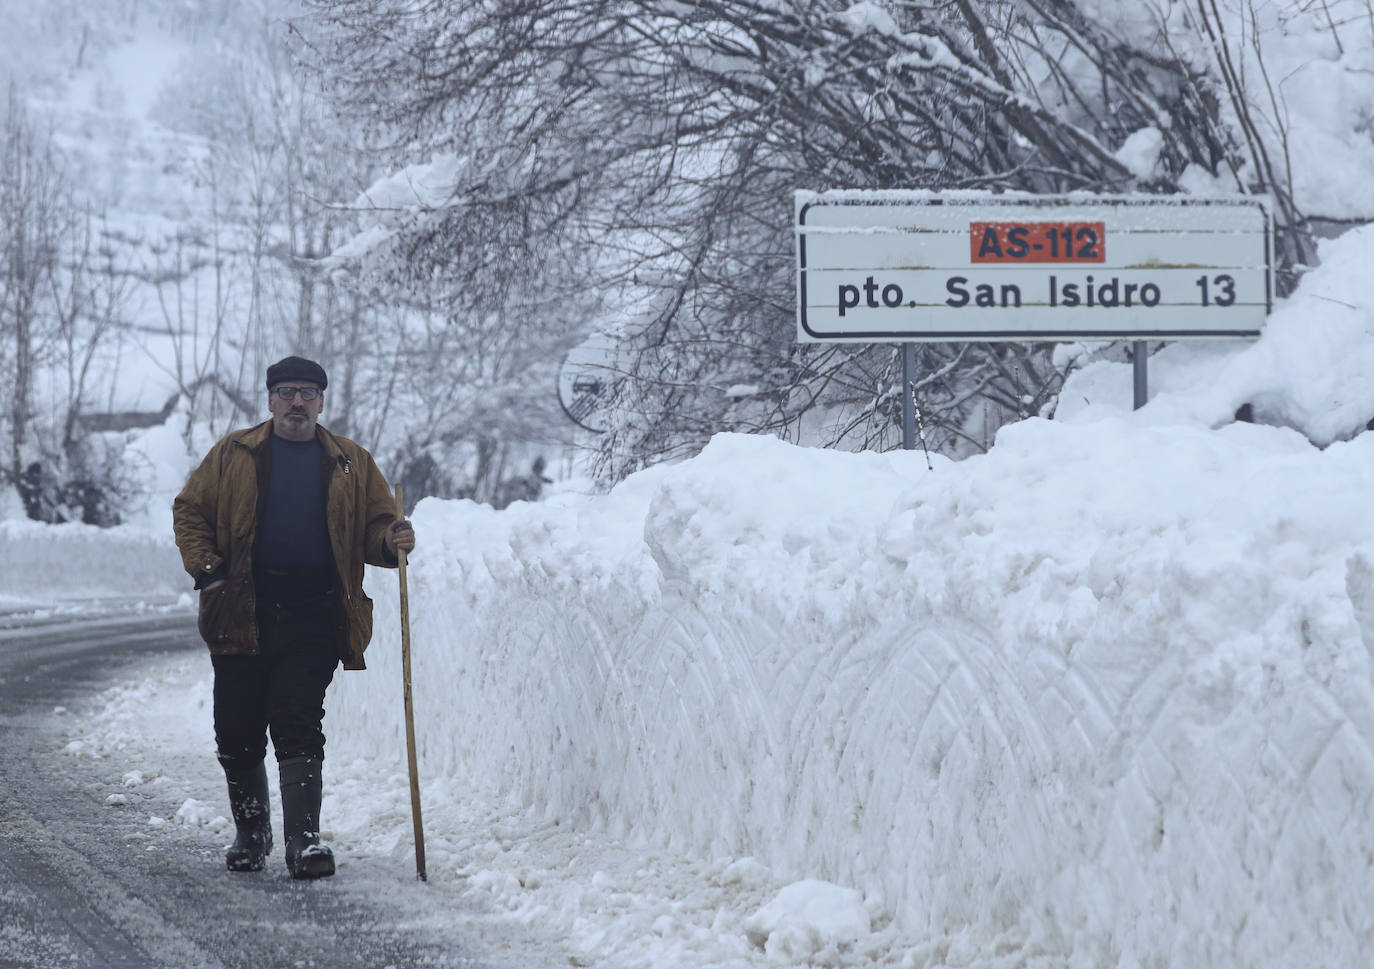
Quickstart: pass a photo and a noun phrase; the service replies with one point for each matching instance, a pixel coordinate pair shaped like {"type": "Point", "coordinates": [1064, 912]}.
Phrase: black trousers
{"type": "Point", "coordinates": [281, 690]}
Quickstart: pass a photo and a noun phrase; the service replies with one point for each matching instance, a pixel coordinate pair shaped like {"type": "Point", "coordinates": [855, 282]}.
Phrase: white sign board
{"type": "Point", "coordinates": [910, 266]}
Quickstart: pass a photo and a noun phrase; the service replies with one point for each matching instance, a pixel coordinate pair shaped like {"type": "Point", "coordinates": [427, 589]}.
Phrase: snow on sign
{"type": "Point", "coordinates": [910, 266]}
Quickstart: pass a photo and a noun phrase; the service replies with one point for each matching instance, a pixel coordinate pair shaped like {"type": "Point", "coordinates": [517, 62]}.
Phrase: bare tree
{"type": "Point", "coordinates": [88, 299]}
{"type": "Point", "coordinates": [32, 197]}
{"type": "Point", "coordinates": [277, 164]}
{"type": "Point", "coordinates": [62, 293]}
{"type": "Point", "coordinates": [648, 150]}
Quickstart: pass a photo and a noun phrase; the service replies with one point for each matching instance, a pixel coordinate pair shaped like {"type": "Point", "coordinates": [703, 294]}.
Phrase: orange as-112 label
{"type": "Point", "coordinates": [1026, 242]}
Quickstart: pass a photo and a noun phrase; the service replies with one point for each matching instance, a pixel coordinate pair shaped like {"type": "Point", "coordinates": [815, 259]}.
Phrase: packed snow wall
{"type": "Point", "coordinates": [1106, 690]}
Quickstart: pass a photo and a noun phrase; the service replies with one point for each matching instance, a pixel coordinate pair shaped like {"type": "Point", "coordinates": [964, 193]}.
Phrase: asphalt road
{"type": "Point", "coordinates": [83, 886]}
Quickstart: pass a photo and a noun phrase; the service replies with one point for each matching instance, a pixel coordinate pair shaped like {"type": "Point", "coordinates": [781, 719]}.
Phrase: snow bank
{"type": "Point", "coordinates": [1310, 370]}
{"type": "Point", "coordinates": [1105, 691]}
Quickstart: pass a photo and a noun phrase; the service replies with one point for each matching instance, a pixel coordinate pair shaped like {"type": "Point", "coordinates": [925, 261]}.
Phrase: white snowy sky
{"type": "Point", "coordinates": [1101, 697]}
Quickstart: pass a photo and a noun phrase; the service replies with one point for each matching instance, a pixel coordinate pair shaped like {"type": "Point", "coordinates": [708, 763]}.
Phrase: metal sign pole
{"type": "Point", "coordinates": [1139, 362]}
{"type": "Point", "coordinates": [908, 405]}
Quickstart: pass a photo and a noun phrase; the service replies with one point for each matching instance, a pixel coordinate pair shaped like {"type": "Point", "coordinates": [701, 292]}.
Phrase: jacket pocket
{"type": "Point", "coordinates": [364, 620]}
{"type": "Point", "coordinates": [215, 618]}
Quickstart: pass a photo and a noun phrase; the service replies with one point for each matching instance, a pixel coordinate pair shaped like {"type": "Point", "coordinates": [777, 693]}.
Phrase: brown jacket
{"type": "Point", "coordinates": [216, 517]}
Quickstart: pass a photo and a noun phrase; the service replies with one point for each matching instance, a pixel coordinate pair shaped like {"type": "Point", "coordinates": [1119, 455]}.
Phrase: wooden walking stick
{"type": "Point", "coordinates": [410, 708]}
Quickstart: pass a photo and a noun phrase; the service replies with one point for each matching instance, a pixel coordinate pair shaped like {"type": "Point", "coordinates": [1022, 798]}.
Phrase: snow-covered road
{"type": "Point", "coordinates": [89, 879]}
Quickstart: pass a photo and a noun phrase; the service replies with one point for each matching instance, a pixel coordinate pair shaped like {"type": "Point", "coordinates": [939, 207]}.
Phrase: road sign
{"type": "Point", "coordinates": [923, 266]}
{"type": "Point", "coordinates": [585, 382]}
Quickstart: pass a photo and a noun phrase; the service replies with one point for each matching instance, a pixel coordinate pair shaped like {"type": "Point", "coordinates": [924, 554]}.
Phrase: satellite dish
{"type": "Point", "coordinates": [585, 382]}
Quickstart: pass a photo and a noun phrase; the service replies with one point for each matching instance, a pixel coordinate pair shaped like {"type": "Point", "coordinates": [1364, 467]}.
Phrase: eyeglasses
{"type": "Point", "coordinates": [307, 393]}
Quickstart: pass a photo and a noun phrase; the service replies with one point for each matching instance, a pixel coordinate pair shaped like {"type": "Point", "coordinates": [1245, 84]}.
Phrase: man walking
{"type": "Point", "coordinates": [275, 526]}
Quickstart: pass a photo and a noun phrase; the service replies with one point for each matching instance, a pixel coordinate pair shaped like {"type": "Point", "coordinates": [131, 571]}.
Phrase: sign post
{"type": "Point", "coordinates": [908, 266]}
{"type": "Point", "coordinates": [1140, 364]}
{"type": "Point", "coordinates": [908, 403]}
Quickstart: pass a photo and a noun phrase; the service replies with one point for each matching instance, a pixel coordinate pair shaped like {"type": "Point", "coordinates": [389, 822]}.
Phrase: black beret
{"type": "Point", "coordinates": [296, 368]}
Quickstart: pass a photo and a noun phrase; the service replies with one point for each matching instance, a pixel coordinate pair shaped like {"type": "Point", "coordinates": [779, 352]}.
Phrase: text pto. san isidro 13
{"type": "Point", "coordinates": [1037, 242]}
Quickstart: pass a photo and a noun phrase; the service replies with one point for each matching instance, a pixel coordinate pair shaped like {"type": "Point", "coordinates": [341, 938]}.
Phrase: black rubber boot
{"type": "Point", "coordinates": [302, 786]}
{"type": "Point", "coordinates": [252, 810]}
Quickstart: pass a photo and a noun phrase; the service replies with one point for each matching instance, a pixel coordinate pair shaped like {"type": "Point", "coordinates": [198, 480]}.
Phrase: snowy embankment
{"type": "Point", "coordinates": [1104, 693]}
{"type": "Point", "coordinates": [1106, 689]}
